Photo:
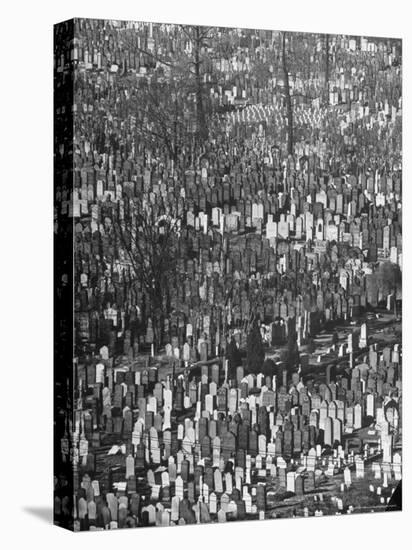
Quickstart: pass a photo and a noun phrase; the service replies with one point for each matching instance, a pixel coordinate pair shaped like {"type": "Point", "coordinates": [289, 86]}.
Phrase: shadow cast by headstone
{"type": "Point", "coordinates": [395, 503]}
{"type": "Point", "coordinates": [44, 513]}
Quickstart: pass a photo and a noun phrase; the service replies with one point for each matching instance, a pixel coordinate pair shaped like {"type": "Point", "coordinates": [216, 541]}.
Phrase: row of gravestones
{"type": "Point", "coordinates": [207, 492]}
{"type": "Point", "coordinates": [382, 243]}
{"type": "Point", "coordinates": [386, 239]}
{"type": "Point", "coordinates": [319, 411]}
{"type": "Point", "coordinates": [133, 389]}
{"type": "Point", "coordinates": [92, 56]}
{"type": "Point", "coordinates": [264, 186]}
{"type": "Point", "coordinates": [227, 446]}
{"type": "Point", "coordinates": [314, 223]}
{"type": "Point", "coordinates": [93, 324]}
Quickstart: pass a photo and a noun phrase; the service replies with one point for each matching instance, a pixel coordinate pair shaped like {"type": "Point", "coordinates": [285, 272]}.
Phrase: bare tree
{"type": "Point", "coordinates": [389, 280]}
{"type": "Point", "coordinates": [254, 349]}
{"type": "Point", "coordinates": [185, 76]}
{"type": "Point", "coordinates": [201, 118]}
{"type": "Point", "coordinates": [289, 108]}
{"type": "Point", "coordinates": [199, 37]}
{"type": "Point", "coordinates": [161, 110]}
{"type": "Point", "coordinates": [149, 242]}
{"type": "Point", "coordinates": [131, 42]}
{"type": "Point", "coordinates": [326, 101]}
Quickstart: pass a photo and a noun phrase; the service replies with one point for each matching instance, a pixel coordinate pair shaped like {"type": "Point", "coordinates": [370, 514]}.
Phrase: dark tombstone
{"type": "Point", "coordinates": [206, 447]}
{"type": "Point", "coordinates": [241, 458]}
{"type": "Point", "coordinates": [203, 428]}
{"type": "Point", "coordinates": [241, 510]}
{"type": "Point", "coordinates": [297, 442]}
{"type": "Point", "coordinates": [128, 423]}
{"type": "Point", "coordinates": [140, 456]}
{"type": "Point", "coordinates": [118, 425]}
{"type": "Point", "coordinates": [131, 485]}
{"type": "Point", "coordinates": [184, 470]}
{"type": "Point", "coordinates": [253, 442]}
{"type": "Point", "coordinates": [222, 399]}
{"type": "Point", "coordinates": [209, 478]}
{"type": "Point", "coordinates": [299, 485]}
{"type": "Point", "coordinates": [186, 512]}
{"type": "Point", "coordinates": [263, 421]}
{"type": "Point", "coordinates": [135, 504]}
{"type": "Point", "coordinates": [148, 420]}
{"type": "Point", "coordinates": [261, 497]}
{"type": "Point", "coordinates": [228, 447]}
{"type": "Point", "coordinates": [179, 395]}
{"type": "Point", "coordinates": [243, 437]}
{"type": "Point", "coordinates": [287, 441]}
{"type": "Point", "coordinates": [191, 491]}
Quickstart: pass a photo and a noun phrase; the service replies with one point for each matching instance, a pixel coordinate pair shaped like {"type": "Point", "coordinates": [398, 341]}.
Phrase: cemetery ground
{"type": "Point", "coordinates": [360, 497]}
{"type": "Point", "coordinates": [384, 328]}
{"type": "Point", "coordinates": [235, 201]}
{"type": "Point", "coordinates": [330, 492]}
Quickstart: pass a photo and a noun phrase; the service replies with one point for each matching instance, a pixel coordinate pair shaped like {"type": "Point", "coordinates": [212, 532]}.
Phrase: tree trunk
{"type": "Point", "coordinates": [395, 307]}
{"type": "Point", "coordinates": [157, 324]}
{"type": "Point", "coordinates": [175, 134]}
{"type": "Point", "coordinates": [288, 98]}
{"type": "Point", "coordinates": [327, 70]}
{"type": "Point", "coordinates": [200, 111]}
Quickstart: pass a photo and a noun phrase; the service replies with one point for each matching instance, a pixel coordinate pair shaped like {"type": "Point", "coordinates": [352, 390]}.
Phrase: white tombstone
{"type": "Point", "coordinates": [290, 481]}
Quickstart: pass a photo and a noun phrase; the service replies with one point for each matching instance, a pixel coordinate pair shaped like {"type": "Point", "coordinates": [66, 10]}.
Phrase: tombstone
{"type": "Point", "coordinates": [337, 430]}
{"type": "Point", "coordinates": [233, 399]}
{"type": "Point", "coordinates": [397, 466]}
{"type": "Point", "coordinates": [216, 446]}
{"type": "Point", "coordinates": [262, 445]}
{"type": "Point", "coordinates": [299, 485]}
{"type": "Point", "coordinates": [360, 468]}
{"type": "Point", "coordinates": [218, 483]}
{"type": "Point", "coordinates": [311, 460]}
{"type": "Point", "coordinates": [290, 482]}
{"type": "Point", "coordinates": [309, 482]}
{"type": "Point", "coordinates": [357, 416]}
{"type": "Point", "coordinates": [228, 448]}
{"type": "Point", "coordinates": [221, 516]}
{"type": "Point", "coordinates": [222, 399]}
{"type": "Point", "coordinates": [185, 511]}
{"type": "Point", "coordinates": [129, 466]}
